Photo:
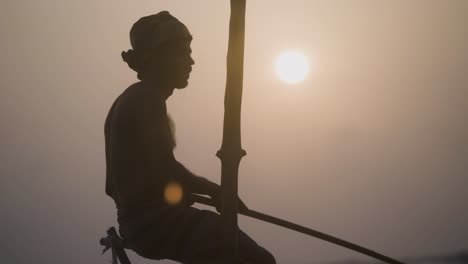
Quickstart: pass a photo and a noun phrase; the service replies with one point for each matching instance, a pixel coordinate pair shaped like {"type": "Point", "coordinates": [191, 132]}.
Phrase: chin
{"type": "Point", "coordinates": [182, 85]}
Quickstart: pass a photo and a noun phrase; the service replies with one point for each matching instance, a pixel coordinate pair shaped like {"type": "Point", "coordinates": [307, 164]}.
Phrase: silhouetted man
{"type": "Point", "coordinates": [150, 187]}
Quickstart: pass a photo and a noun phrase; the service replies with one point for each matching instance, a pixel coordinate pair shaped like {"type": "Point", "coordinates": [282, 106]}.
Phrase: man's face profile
{"type": "Point", "coordinates": [175, 63]}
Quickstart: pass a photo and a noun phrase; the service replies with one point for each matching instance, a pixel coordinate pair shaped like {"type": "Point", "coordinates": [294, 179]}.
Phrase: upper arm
{"type": "Point", "coordinates": [152, 131]}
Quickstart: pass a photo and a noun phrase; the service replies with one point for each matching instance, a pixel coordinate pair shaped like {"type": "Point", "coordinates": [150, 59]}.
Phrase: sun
{"type": "Point", "coordinates": [292, 67]}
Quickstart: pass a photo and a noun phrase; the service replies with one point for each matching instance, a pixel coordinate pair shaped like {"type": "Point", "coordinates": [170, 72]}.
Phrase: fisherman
{"type": "Point", "coordinates": [151, 189]}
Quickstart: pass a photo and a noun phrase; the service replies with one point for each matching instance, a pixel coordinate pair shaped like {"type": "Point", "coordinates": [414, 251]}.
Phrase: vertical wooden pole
{"type": "Point", "coordinates": [231, 151]}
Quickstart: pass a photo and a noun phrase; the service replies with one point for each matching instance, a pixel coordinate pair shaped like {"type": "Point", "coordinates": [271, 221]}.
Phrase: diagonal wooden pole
{"type": "Point", "coordinates": [231, 151]}
{"type": "Point", "coordinates": [305, 230]}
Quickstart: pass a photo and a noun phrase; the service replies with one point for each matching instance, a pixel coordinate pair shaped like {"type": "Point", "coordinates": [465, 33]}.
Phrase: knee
{"type": "Point", "coordinates": [262, 257]}
{"type": "Point", "coordinates": [269, 258]}
{"type": "Point", "coordinates": [265, 259]}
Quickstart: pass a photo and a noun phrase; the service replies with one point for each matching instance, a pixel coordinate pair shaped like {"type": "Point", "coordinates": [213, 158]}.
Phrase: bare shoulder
{"type": "Point", "coordinates": [136, 99]}
{"type": "Point", "coordinates": [133, 95]}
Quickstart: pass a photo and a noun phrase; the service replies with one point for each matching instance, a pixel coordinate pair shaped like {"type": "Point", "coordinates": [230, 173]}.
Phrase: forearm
{"type": "Point", "coordinates": [201, 185]}
{"type": "Point", "coordinates": [197, 184]}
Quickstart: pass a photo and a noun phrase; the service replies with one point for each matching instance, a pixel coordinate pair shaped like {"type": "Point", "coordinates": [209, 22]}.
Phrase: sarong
{"type": "Point", "coordinates": [183, 234]}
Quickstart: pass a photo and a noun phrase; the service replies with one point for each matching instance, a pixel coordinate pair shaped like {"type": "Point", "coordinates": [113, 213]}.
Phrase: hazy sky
{"type": "Point", "coordinates": [372, 147]}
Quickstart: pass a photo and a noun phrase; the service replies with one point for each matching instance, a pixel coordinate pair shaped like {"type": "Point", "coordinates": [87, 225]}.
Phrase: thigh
{"type": "Point", "coordinates": [204, 243]}
{"type": "Point", "coordinates": [160, 233]}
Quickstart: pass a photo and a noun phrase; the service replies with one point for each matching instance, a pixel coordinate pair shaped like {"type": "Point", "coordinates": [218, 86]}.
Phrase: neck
{"type": "Point", "coordinates": [162, 89]}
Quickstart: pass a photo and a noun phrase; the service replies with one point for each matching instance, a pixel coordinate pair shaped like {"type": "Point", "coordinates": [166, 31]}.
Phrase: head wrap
{"type": "Point", "coordinates": [148, 34]}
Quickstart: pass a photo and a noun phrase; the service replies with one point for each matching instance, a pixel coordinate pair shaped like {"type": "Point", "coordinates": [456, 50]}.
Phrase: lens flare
{"type": "Point", "coordinates": [173, 193]}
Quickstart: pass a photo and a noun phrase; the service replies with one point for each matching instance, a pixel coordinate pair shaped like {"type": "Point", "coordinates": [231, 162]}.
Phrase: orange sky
{"type": "Point", "coordinates": [372, 147]}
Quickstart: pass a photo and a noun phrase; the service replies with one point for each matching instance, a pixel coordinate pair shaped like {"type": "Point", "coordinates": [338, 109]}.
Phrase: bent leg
{"type": "Point", "coordinates": [252, 253]}
{"type": "Point", "coordinates": [204, 244]}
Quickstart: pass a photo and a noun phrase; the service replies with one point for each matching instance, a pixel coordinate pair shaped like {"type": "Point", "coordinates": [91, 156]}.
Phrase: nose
{"type": "Point", "coordinates": [191, 61]}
